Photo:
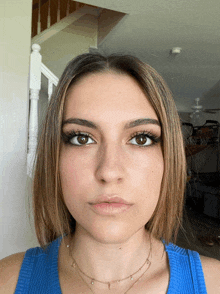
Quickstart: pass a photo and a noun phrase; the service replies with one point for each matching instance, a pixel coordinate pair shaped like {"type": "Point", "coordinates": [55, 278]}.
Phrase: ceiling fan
{"type": "Point", "coordinates": [200, 131]}
{"type": "Point", "coordinates": [198, 117]}
{"type": "Point", "coordinates": [198, 108]}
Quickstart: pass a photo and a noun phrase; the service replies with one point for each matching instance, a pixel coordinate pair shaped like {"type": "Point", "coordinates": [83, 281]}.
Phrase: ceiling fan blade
{"type": "Point", "coordinates": [209, 111]}
{"type": "Point", "coordinates": [213, 111]}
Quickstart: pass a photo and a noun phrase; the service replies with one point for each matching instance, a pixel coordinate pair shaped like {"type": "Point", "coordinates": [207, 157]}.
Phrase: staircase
{"type": "Point", "coordinates": [37, 68]}
{"type": "Point", "coordinates": [46, 13]}
{"type": "Point", "coordinates": [49, 17]}
{"type": "Point", "coordinates": [53, 20]}
{"type": "Point", "coordinates": [52, 16]}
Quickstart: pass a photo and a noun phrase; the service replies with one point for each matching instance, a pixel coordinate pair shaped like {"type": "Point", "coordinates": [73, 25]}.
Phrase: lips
{"type": "Point", "coordinates": [109, 205]}
{"type": "Point", "coordinates": [109, 199]}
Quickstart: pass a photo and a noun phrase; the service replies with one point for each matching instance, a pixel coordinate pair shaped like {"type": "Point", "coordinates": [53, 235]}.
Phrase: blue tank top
{"type": "Point", "coordinates": [39, 271]}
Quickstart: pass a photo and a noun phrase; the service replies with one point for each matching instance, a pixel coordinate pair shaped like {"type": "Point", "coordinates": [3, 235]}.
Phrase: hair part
{"type": "Point", "coordinates": [51, 216]}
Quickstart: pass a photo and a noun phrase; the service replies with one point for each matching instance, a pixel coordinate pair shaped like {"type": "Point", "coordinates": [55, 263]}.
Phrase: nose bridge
{"type": "Point", "coordinates": [110, 162]}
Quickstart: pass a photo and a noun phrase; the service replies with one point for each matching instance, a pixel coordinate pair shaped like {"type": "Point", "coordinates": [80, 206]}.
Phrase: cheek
{"type": "Point", "coordinates": [75, 174]}
{"type": "Point", "coordinates": [148, 184]}
{"type": "Point", "coordinates": [149, 169]}
{"type": "Point", "coordinates": [156, 173]}
{"type": "Point", "coordinates": [143, 170]}
{"type": "Point", "coordinates": [72, 182]}
{"type": "Point", "coordinates": [152, 181]}
{"type": "Point", "coordinates": [157, 170]}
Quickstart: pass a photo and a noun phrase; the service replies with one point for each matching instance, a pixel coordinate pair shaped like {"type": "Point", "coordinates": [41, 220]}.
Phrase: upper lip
{"type": "Point", "coordinates": [109, 199]}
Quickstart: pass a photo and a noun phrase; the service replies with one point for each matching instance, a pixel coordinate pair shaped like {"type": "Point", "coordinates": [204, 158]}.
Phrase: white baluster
{"type": "Point", "coordinates": [50, 89]}
{"type": "Point", "coordinates": [68, 8]}
{"type": "Point", "coordinates": [33, 121]}
{"type": "Point", "coordinates": [48, 17]}
{"type": "Point", "coordinates": [35, 85]}
{"type": "Point", "coordinates": [58, 11]}
{"type": "Point", "coordinates": [39, 22]}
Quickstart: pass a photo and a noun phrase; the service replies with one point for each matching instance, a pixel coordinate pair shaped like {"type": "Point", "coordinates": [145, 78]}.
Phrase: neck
{"type": "Point", "coordinates": [103, 261]}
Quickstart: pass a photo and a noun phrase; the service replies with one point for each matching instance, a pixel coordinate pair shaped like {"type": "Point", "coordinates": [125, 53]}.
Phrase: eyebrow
{"type": "Point", "coordinates": [132, 124]}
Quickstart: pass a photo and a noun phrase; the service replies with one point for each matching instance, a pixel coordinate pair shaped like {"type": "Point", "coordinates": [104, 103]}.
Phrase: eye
{"type": "Point", "coordinates": [78, 139]}
{"type": "Point", "coordinates": [144, 139]}
{"type": "Point", "coordinates": [81, 140]}
{"type": "Point", "coordinates": [141, 139]}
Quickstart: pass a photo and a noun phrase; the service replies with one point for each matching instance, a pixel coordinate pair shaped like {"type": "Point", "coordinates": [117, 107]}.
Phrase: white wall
{"type": "Point", "coordinates": [16, 219]}
{"type": "Point", "coordinates": [15, 35]}
{"type": "Point", "coordinates": [75, 39]}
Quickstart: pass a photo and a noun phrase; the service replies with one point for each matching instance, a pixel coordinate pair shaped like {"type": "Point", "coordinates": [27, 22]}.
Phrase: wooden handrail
{"type": "Point", "coordinates": [46, 13]}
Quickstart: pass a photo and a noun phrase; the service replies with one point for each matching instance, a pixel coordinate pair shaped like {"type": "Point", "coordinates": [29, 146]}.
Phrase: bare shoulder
{"type": "Point", "coordinates": [9, 271]}
{"type": "Point", "coordinates": [211, 269]}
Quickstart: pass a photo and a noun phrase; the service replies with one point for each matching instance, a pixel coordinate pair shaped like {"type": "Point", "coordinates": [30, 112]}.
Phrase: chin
{"type": "Point", "coordinates": [114, 233]}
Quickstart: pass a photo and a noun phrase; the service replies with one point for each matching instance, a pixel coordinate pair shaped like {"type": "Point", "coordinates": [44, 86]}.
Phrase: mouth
{"type": "Point", "coordinates": [109, 199]}
{"type": "Point", "coordinates": [109, 205]}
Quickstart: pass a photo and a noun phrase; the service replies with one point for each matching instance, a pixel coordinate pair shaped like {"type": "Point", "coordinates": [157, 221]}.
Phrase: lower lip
{"type": "Point", "coordinates": [110, 208]}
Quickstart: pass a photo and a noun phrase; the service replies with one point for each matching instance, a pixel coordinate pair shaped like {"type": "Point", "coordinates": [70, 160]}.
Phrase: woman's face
{"type": "Point", "coordinates": [111, 163]}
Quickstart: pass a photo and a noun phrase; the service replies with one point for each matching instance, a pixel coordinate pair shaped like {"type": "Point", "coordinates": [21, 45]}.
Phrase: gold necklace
{"type": "Point", "coordinates": [75, 265]}
{"type": "Point", "coordinates": [127, 289]}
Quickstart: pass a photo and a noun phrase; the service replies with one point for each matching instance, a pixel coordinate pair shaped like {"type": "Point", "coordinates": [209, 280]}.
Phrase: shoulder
{"type": "Point", "coordinates": [9, 272]}
{"type": "Point", "coordinates": [211, 270]}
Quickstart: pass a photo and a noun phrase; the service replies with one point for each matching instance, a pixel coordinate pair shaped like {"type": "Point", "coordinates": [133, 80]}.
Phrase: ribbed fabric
{"type": "Point", "coordinates": [39, 271]}
{"type": "Point", "coordinates": [186, 274]}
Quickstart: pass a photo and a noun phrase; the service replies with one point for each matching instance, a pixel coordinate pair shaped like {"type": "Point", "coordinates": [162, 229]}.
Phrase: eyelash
{"type": "Point", "coordinates": [155, 139]}
{"type": "Point", "coordinates": [70, 135]}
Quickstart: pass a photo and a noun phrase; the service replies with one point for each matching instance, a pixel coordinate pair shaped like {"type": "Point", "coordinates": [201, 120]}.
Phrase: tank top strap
{"type": "Point", "coordinates": [186, 274]}
{"type": "Point", "coordinates": [39, 270]}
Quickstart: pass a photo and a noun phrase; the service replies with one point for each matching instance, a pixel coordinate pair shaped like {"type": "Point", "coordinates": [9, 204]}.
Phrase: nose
{"type": "Point", "coordinates": [111, 162]}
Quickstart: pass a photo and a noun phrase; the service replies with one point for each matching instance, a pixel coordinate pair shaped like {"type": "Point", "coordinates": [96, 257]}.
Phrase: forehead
{"type": "Point", "coordinates": [108, 96]}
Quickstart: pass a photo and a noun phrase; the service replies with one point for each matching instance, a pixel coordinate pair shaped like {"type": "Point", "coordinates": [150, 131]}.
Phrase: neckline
{"type": "Point", "coordinates": [173, 275]}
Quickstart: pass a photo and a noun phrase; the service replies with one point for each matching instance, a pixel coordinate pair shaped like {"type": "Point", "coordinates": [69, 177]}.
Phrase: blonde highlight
{"type": "Point", "coordinates": [52, 218]}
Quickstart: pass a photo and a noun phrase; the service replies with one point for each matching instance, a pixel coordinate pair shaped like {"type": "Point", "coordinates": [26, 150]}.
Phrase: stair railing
{"type": "Point", "coordinates": [46, 13]}
{"type": "Point", "coordinates": [36, 69]}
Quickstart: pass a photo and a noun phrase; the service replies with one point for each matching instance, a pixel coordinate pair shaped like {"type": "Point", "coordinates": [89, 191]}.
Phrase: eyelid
{"type": "Point", "coordinates": [153, 137]}
{"type": "Point", "coordinates": [67, 136]}
{"type": "Point", "coordinates": [71, 134]}
{"type": "Point", "coordinates": [147, 133]}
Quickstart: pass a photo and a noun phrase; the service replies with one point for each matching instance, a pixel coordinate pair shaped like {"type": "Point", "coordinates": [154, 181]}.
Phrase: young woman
{"type": "Point", "coordinates": [108, 189]}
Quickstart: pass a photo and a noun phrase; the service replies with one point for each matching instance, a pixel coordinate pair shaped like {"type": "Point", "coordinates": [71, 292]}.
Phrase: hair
{"type": "Point", "coordinates": [51, 216]}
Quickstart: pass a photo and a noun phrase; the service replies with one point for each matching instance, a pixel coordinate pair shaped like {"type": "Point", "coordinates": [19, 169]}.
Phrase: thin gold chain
{"type": "Point", "coordinates": [74, 264]}
{"type": "Point", "coordinates": [128, 288]}
{"type": "Point", "coordinates": [138, 278]}
{"type": "Point", "coordinates": [112, 282]}
{"type": "Point", "coordinates": [86, 284]}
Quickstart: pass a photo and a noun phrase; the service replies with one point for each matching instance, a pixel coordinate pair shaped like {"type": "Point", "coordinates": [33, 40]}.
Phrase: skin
{"type": "Point", "coordinates": [110, 247]}
{"type": "Point", "coordinates": [111, 162]}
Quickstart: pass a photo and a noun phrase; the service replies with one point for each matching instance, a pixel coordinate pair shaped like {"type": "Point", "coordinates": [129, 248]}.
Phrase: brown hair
{"type": "Point", "coordinates": [51, 216]}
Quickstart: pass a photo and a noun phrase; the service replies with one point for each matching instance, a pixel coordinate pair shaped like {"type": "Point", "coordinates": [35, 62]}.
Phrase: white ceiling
{"type": "Point", "coordinates": [153, 27]}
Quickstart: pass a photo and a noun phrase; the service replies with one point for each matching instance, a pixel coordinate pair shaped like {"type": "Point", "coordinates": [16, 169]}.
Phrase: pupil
{"type": "Point", "coordinates": [82, 139]}
{"type": "Point", "coordinates": [141, 139]}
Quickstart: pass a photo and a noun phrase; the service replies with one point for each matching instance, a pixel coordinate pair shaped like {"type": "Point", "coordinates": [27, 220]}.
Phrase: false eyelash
{"type": "Point", "coordinates": [68, 136]}
{"type": "Point", "coordinates": [155, 139]}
